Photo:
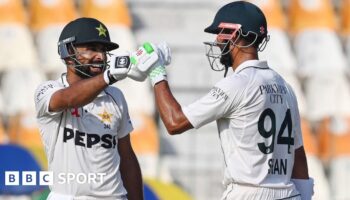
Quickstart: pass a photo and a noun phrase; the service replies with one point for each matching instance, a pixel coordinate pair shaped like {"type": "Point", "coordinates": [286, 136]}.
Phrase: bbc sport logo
{"type": "Point", "coordinates": [31, 178]}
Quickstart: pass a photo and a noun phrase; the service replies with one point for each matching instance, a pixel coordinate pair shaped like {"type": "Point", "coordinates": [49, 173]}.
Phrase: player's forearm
{"type": "Point", "coordinates": [77, 94]}
{"type": "Point", "coordinates": [170, 110]}
{"type": "Point", "coordinates": [300, 169]}
{"type": "Point", "coordinates": [300, 176]}
{"type": "Point", "coordinates": [132, 178]}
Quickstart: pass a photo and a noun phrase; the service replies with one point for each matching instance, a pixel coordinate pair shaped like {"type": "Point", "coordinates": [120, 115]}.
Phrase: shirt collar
{"type": "Point", "coordinates": [252, 63]}
{"type": "Point", "coordinates": [64, 80]}
{"type": "Point", "coordinates": [66, 84]}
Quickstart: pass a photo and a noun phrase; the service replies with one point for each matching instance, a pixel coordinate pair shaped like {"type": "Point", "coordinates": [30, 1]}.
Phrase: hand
{"type": "Point", "coordinates": [164, 53]}
{"type": "Point", "coordinates": [158, 72]}
{"type": "Point", "coordinates": [118, 68]}
{"type": "Point", "coordinates": [142, 60]}
{"type": "Point", "coordinates": [146, 58]}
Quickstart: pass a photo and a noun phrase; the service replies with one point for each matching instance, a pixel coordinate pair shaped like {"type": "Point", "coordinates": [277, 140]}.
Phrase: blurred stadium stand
{"type": "Point", "coordinates": [309, 46]}
{"type": "Point", "coordinates": [3, 135]}
{"type": "Point", "coordinates": [47, 19]}
{"type": "Point", "coordinates": [14, 32]}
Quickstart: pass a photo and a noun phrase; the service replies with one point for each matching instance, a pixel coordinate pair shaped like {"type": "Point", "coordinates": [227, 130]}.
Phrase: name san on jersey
{"type": "Point", "coordinates": [277, 166]}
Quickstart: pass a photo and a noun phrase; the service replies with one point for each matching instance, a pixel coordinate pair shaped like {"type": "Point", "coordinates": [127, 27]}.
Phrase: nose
{"type": "Point", "coordinates": [99, 56]}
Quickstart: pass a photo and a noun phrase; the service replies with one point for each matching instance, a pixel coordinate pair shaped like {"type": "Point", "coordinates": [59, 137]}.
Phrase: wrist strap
{"type": "Point", "coordinates": [157, 74]}
{"type": "Point", "coordinates": [108, 78]}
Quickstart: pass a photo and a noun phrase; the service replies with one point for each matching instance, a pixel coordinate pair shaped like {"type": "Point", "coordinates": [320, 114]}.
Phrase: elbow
{"type": "Point", "coordinates": [173, 129]}
{"type": "Point", "coordinates": [176, 128]}
{"type": "Point", "coordinates": [173, 132]}
{"type": "Point", "coordinates": [176, 123]}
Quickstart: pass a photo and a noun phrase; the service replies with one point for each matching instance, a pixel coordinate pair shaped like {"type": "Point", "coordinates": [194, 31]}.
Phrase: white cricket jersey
{"type": "Point", "coordinates": [258, 121]}
{"type": "Point", "coordinates": [83, 141]}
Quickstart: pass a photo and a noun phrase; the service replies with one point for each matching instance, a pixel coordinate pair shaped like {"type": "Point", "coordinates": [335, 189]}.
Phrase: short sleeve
{"type": "Point", "coordinates": [42, 97]}
{"type": "Point", "coordinates": [125, 123]}
{"type": "Point", "coordinates": [217, 103]}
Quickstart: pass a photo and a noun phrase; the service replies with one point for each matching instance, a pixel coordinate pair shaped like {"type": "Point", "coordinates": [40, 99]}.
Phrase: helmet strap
{"type": "Point", "coordinates": [82, 70]}
{"type": "Point", "coordinates": [226, 70]}
{"type": "Point", "coordinates": [263, 44]}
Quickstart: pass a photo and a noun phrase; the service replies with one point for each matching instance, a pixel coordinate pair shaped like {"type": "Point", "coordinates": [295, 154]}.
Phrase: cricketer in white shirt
{"type": "Point", "coordinates": [258, 121]}
{"type": "Point", "coordinates": [255, 109]}
{"type": "Point", "coordinates": [82, 142]}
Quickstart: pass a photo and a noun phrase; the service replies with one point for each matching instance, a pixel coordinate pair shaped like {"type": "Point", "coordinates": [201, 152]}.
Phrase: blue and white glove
{"type": "Point", "coordinates": [150, 60]}
{"type": "Point", "coordinates": [158, 72]}
{"type": "Point", "coordinates": [118, 68]}
{"type": "Point", "coordinates": [164, 53]}
{"type": "Point", "coordinates": [305, 187]}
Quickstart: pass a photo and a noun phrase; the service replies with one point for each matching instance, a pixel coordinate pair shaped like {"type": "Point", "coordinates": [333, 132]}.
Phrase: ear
{"type": "Point", "coordinates": [68, 61]}
{"type": "Point", "coordinates": [231, 46]}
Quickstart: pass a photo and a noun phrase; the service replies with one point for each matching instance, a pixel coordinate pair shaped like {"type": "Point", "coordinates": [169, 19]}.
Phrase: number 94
{"type": "Point", "coordinates": [287, 123]}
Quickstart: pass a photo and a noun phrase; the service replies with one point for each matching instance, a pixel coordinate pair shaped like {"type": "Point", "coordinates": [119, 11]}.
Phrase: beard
{"type": "Point", "coordinates": [85, 70]}
{"type": "Point", "coordinates": [226, 59]}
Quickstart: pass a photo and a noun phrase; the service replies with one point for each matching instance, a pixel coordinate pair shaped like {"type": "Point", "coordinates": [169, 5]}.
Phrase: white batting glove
{"type": "Point", "coordinates": [142, 60]}
{"type": "Point", "coordinates": [146, 58]}
{"type": "Point", "coordinates": [118, 68]}
{"type": "Point", "coordinates": [305, 187]}
{"type": "Point", "coordinates": [158, 72]}
{"type": "Point", "coordinates": [164, 53]}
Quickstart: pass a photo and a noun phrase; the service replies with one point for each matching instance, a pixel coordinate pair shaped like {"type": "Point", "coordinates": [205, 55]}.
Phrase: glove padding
{"type": "Point", "coordinates": [164, 53]}
{"type": "Point", "coordinates": [118, 68]}
{"type": "Point", "coordinates": [157, 74]}
{"type": "Point", "coordinates": [148, 57]}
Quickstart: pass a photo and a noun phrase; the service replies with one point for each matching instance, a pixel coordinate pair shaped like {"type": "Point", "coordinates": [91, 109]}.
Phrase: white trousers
{"type": "Point", "coordinates": [243, 192]}
{"type": "Point", "coordinates": [56, 196]}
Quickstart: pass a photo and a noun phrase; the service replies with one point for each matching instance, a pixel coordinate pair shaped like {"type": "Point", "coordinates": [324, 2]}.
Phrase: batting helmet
{"type": "Point", "coordinates": [246, 14]}
{"type": "Point", "coordinates": [239, 19]}
{"type": "Point", "coordinates": [82, 31]}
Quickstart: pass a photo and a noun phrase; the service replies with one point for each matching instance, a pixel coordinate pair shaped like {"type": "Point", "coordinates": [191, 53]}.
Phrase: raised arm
{"type": "Point", "coordinates": [152, 64]}
{"type": "Point", "coordinates": [170, 110]}
{"type": "Point", "coordinates": [83, 91]}
{"type": "Point", "coordinates": [78, 94]}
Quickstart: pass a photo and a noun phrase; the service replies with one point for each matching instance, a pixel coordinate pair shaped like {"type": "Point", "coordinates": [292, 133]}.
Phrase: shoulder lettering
{"type": "Point", "coordinates": [218, 93]}
{"type": "Point", "coordinates": [42, 89]}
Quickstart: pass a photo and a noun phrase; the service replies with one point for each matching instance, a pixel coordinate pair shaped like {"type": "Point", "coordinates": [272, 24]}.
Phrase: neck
{"type": "Point", "coordinates": [241, 55]}
{"type": "Point", "coordinates": [71, 76]}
